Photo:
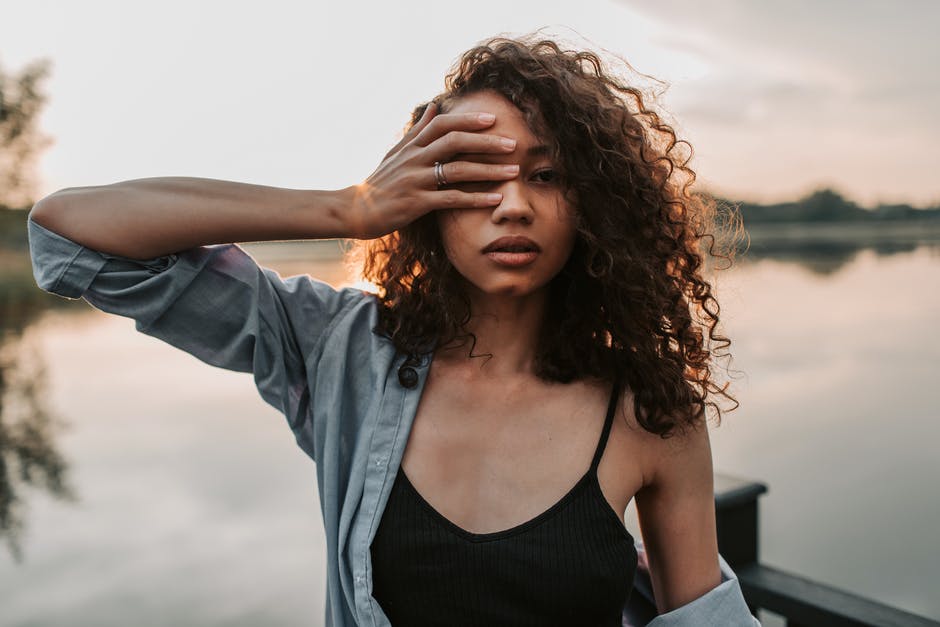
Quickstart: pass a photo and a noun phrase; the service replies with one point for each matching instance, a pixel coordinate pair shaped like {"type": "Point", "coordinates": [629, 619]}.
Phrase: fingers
{"type": "Point", "coordinates": [429, 112]}
{"type": "Point", "coordinates": [456, 199]}
{"type": "Point", "coordinates": [445, 123]}
{"type": "Point", "coordinates": [423, 121]}
{"type": "Point", "coordinates": [462, 142]}
{"type": "Point", "coordinates": [469, 171]}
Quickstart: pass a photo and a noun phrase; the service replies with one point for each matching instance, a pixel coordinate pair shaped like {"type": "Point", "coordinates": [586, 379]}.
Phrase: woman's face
{"type": "Point", "coordinates": [533, 211]}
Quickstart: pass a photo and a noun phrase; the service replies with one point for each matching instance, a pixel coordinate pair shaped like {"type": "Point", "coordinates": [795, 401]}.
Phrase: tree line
{"type": "Point", "coordinates": [22, 98]}
{"type": "Point", "coordinates": [827, 205]}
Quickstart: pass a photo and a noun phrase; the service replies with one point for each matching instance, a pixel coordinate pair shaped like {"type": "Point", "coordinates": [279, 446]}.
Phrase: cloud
{"type": "Point", "coordinates": [843, 92]}
{"type": "Point", "coordinates": [866, 50]}
{"type": "Point", "coordinates": [851, 36]}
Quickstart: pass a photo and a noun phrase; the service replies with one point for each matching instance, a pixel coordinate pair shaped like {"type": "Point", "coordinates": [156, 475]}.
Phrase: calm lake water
{"type": "Point", "coordinates": [192, 504]}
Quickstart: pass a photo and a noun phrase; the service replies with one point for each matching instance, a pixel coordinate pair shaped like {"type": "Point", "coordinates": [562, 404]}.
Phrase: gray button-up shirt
{"type": "Point", "coordinates": [316, 359]}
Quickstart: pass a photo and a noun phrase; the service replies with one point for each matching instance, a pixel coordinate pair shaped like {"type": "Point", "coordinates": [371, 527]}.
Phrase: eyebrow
{"type": "Point", "coordinates": [538, 151]}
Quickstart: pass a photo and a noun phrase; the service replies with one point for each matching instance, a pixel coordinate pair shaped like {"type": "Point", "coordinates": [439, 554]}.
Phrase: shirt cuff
{"type": "Point", "coordinates": [722, 605]}
{"type": "Point", "coordinates": [66, 268]}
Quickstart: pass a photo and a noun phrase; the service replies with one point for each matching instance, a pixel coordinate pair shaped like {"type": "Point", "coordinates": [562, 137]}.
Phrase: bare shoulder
{"type": "Point", "coordinates": [685, 455]}
{"type": "Point", "coordinates": [661, 459]}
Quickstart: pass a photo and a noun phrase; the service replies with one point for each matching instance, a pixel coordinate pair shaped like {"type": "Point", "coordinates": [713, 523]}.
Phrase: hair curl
{"type": "Point", "coordinates": [631, 303]}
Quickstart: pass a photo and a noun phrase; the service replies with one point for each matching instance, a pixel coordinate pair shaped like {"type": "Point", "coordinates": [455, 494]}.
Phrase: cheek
{"type": "Point", "coordinates": [569, 238]}
{"type": "Point", "coordinates": [568, 230]}
{"type": "Point", "coordinates": [456, 229]}
{"type": "Point", "coordinates": [452, 236]}
{"type": "Point", "coordinates": [447, 228]}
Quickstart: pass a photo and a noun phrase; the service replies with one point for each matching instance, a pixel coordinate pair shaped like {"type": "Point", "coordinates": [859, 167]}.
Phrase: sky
{"type": "Point", "coordinates": [777, 98]}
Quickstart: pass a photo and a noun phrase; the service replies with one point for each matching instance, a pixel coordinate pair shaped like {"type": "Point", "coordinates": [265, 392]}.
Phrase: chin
{"type": "Point", "coordinates": [512, 289]}
{"type": "Point", "coordinates": [505, 286]}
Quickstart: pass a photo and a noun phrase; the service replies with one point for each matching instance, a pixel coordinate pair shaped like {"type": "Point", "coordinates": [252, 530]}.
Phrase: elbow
{"type": "Point", "coordinates": [46, 211]}
{"type": "Point", "coordinates": [51, 210]}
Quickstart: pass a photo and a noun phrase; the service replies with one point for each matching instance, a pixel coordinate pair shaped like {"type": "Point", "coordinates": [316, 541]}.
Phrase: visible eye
{"type": "Point", "coordinates": [545, 175]}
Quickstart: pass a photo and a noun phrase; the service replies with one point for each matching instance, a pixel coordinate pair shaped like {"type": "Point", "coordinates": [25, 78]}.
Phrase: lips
{"type": "Point", "coordinates": [512, 244]}
{"type": "Point", "coordinates": [512, 251]}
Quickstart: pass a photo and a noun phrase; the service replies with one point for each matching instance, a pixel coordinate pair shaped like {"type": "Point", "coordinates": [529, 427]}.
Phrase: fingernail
{"type": "Point", "coordinates": [508, 143]}
{"type": "Point", "coordinates": [486, 118]}
{"type": "Point", "coordinates": [511, 169]}
{"type": "Point", "coordinates": [494, 198]}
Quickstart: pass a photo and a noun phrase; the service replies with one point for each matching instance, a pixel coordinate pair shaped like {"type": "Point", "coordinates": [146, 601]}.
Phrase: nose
{"type": "Point", "coordinates": [515, 205]}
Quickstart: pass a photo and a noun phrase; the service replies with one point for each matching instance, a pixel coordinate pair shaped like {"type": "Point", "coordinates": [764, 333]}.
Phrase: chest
{"type": "Point", "coordinates": [491, 457]}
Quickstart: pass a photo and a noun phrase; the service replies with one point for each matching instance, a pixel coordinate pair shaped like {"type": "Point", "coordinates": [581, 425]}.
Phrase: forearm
{"type": "Point", "coordinates": [147, 218]}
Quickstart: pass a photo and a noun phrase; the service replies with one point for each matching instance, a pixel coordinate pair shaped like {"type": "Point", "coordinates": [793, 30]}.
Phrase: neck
{"type": "Point", "coordinates": [506, 328]}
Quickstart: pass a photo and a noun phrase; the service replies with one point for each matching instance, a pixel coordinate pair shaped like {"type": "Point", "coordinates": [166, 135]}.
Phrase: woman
{"type": "Point", "coordinates": [541, 324]}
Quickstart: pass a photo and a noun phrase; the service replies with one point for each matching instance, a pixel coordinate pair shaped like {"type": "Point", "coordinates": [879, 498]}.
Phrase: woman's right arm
{"type": "Point", "coordinates": [146, 218]}
{"type": "Point", "coordinates": [139, 249]}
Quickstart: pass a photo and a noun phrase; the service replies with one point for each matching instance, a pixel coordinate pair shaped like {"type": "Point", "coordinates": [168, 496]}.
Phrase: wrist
{"type": "Point", "coordinates": [328, 214]}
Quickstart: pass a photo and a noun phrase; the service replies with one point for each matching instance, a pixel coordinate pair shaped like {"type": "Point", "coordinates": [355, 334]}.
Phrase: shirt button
{"type": "Point", "coordinates": [408, 377]}
{"type": "Point", "coordinates": [358, 578]}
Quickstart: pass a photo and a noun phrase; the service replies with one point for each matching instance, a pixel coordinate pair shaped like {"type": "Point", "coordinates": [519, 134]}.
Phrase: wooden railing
{"type": "Point", "coordinates": [801, 601]}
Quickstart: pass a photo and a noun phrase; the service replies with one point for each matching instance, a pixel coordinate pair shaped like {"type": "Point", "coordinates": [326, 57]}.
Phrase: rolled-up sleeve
{"type": "Point", "coordinates": [214, 302]}
{"type": "Point", "coordinates": [722, 605]}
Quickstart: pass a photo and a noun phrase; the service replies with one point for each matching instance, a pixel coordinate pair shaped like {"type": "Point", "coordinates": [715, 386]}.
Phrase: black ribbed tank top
{"type": "Point", "coordinates": [572, 565]}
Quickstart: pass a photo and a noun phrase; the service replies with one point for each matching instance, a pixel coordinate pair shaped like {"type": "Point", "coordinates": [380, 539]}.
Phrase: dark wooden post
{"type": "Point", "coordinates": [736, 517]}
{"type": "Point", "coordinates": [801, 601]}
{"type": "Point", "coordinates": [736, 514]}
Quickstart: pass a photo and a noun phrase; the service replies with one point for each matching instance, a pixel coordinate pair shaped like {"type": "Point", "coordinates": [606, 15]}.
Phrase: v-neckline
{"type": "Point", "coordinates": [497, 535]}
{"type": "Point", "coordinates": [591, 473]}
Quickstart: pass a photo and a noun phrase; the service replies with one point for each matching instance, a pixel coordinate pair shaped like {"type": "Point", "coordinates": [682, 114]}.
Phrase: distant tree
{"type": "Point", "coordinates": [29, 454]}
{"type": "Point", "coordinates": [21, 101]}
{"type": "Point", "coordinates": [826, 205]}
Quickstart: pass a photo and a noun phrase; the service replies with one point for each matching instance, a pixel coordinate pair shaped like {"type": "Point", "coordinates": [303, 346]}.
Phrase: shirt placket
{"type": "Point", "coordinates": [387, 447]}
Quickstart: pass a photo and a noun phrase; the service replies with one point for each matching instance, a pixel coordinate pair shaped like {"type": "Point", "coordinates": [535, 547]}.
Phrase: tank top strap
{"type": "Point", "coordinates": [608, 422]}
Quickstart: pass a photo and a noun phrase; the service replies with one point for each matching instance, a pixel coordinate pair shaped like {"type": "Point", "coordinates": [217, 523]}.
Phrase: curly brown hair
{"type": "Point", "coordinates": [631, 303]}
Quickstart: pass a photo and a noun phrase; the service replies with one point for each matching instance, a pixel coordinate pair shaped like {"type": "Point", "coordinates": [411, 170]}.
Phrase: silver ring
{"type": "Point", "coordinates": [439, 174]}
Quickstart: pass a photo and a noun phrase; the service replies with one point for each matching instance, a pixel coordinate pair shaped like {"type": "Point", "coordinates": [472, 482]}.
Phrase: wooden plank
{"type": "Point", "coordinates": [732, 491]}
{"type": "Point", "coordinates": [806, 602]}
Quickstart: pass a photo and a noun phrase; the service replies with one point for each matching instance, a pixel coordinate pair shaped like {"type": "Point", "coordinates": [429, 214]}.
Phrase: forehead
{"type": "Point", "coordinates": [509, 119]}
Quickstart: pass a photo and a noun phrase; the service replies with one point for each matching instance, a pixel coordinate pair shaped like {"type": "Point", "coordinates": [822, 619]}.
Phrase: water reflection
{"type": "Point", "coordinates": [29, 455]}
{"type": "Point", "coordinates": [31, 461]}
{"type": "Point", "coordinates": [824, 249]}
{"type": "Point", "coordinates": [181, 490]}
